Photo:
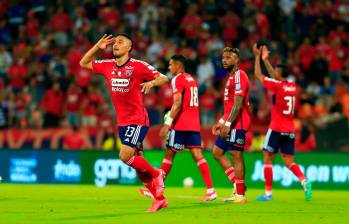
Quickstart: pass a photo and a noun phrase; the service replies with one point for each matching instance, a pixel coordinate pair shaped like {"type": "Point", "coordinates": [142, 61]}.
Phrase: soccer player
{"type": "Point", "coordinates": [182, 124]}
{"type": "Point", "coordinates": [281, 130]}
{"type": "Point", "coordinates": [127, 78]}
{"type": "Point", "coordinates": [232, 127]}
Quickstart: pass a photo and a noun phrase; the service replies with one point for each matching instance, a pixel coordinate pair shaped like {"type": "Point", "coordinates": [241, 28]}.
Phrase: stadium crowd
{"type": "Point", "coordinates": [42, 86]}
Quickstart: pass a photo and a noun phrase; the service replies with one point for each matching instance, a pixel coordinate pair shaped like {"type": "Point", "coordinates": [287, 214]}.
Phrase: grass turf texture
{"type": "Point", "coordinates": [123, 204]}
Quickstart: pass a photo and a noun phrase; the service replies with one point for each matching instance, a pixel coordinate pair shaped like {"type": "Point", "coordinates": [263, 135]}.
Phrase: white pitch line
{"type": "Point", "coordinates": [187, 196]}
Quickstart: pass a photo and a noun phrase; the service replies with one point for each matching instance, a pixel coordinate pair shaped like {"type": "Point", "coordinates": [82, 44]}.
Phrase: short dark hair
{"type": "Point", "coordinates": [127, 37]}
{"type": "Point", "coordinates": [232, 50]}
{"type": "Point", "coordinates": [283, 68]}
{"type": "Point", "coordinates": [180, 58]}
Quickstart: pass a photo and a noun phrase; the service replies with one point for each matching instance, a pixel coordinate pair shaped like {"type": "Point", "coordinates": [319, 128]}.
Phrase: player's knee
{"type": "Point", "coordinates": [237, 157]}
{"type": "Point", "coordinates": [196, 154]}
{"type": "Point", "coordinates": [125, 156]}
{"type": "Point", "coordinates": [217, 156]}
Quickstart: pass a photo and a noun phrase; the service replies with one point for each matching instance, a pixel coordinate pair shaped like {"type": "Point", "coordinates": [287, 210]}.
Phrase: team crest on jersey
{"type": "Point", "coordinates": [129, 72]}
{"type": "Point", "coordinates": [237, 86]}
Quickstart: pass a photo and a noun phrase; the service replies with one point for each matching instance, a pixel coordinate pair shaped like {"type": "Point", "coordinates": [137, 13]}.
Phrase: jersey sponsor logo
{"type": "Point", "coordinates": [119, 89]}
{"type": "Point", "coordinates": [120, 82]}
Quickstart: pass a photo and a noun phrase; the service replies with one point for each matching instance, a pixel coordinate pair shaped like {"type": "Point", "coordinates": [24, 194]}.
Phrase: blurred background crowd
{"type": "Point", "coordinates": [43, 88]}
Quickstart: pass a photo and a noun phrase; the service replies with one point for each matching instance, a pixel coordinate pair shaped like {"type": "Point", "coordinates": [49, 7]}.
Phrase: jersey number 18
{"type": "Point", "coordinates": [194, 99]}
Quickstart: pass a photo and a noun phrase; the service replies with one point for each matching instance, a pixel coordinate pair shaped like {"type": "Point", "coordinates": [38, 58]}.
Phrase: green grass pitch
{"type": "Point", "coordinates": [123, 204]}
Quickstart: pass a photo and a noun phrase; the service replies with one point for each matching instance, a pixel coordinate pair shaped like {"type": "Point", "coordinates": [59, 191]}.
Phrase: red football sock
{"type": "Point", "coordinates": [230, 173]}
{"type": "Point", "coordinates": [144, 177]}
{"type": "Point", "coordinates": [240, 185]}
{"type": "Point", "coordinates": [139, 163]}
{"type": "Point", "coordinates": [297, 171]}
{"type": "Point", "coordinates": [166, 166]}
{"type": "Point", "coordinates": [268, 176]}
{"type": "Point", "coordinates": [205, 172]}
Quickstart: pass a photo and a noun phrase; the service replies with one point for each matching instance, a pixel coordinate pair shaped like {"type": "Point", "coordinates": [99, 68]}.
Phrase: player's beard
{"type": "Point", "coordinates": [117, 56]}
{"type": "Point", "coordinates": [231, 68]}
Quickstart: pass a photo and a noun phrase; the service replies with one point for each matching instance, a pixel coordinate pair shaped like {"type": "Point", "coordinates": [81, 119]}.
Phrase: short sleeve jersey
{"type": "Point", "coordinates": [237, 85]}
{"type": "Point", "coordinates": [188, 118]}
{"type": "Point", "coordinates": [284, 101]}
{"type": "Point", "coordinates": [124, 84]}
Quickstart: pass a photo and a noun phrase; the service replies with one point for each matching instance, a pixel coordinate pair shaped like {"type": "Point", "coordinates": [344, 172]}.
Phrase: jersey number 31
{"type": "Point", "coordinates": [291, 102]}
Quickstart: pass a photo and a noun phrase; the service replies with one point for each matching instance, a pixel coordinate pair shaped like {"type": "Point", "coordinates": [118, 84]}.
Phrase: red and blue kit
{"type": "Point", "coordinates": [124, 84]}
{"type": "Point", "coordinates": [236, 85]}
{"type": "Point", "coordinates": [281, 130]}
{"type": "Point", "coordinates": [185, 129]}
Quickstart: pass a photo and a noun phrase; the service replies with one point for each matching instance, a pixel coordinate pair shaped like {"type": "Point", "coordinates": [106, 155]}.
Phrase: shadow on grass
{"type": "Point", "coordinates": [114, 215]}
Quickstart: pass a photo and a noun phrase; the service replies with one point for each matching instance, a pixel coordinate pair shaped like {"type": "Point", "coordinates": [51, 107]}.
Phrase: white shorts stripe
{"type": "Point", "coordinates": [136, 135]}
{"type": "Point", "coordinates": [267, 137]}
{"type": "Point", "coordinates": [232, 135]}
{"type": "Point", "coordinates": [172, 138]}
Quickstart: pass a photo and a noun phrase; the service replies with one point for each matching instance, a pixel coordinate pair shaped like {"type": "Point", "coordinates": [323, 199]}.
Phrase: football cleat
{"type": "Point", "coordinates": [209, 197]}
{"type": "Point", "coordinates": [146, 192]}
{"type": "Point", "coordinates": [265, 197]}
{"type": "Point", "coordinates": [157, 205]}
{"type": "Point", "coordinates": [236, 199]}
{"type": "Point", "coordinates": [307, 191]}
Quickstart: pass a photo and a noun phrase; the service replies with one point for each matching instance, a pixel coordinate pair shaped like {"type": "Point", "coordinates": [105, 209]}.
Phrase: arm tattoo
{"type": "Point", "coordinates": [238, 100]}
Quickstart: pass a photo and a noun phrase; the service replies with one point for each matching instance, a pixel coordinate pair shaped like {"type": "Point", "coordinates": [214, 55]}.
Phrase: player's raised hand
{"type": "Point", "coordinates": [256, 51]}
{"type": "Point", "coordinates": [265, 52]}
{"type": "Point", "coordinates": [105, 41]}
{"type": "Point", "coordinates": [216, 129]}
{"type": "Point", "coordinates": [164, 131]}
{"type": "Point", "coordinates": [146, 86]}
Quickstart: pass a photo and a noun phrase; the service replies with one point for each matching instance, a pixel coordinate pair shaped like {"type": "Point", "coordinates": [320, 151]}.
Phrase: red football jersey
{"type": "Point", "coordinates": [284, 101]}
{"type": "Point", "coordinates": [188, 118]}
{"type": "Point", "coordinates": [237, 85]}
{"type": "Point", "coordinates": [124, 83]}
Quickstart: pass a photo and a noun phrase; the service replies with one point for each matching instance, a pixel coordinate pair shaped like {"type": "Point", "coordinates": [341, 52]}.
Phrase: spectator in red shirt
{"type": "Point", "coordinates": [151, 102]}
{"type": "Point", "coordinates": [90, 107]}
{"type": "Point", "coordinates": [306, 53]}
{"type": "Point", "coordinates": [166, 100]}
{"type": "Point", "coordinates": [74, 140]}
{"type": "Point", "coordinates": [61, 22]}
{"type": "Point", "coordinates": [305, 140]}
{"type": "Point", "coordinates": [207, 106]}
{"type": "Point", "coordinates": [73, 104]}
{"type": "Point", "coordinates": [336, 59]}
{"type": "Point", "coordinates": [190, 22]}
{"type": "Point", "coordinates": [16, 74]}
{"type": "Point", "coordinates": [52, 105]}
{"type": "Point", "coordinates": [111, 16]}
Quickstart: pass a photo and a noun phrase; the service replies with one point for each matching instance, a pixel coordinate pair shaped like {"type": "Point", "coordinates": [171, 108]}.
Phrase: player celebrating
{"type": "Point", "coordinates": [281, 130]}
{"type": "Point", "coordinates": [127, 79]}
{"type": "Point", "coordinates": [234, 124]}
{"type": "Point", "coordinates": [182, 124]}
